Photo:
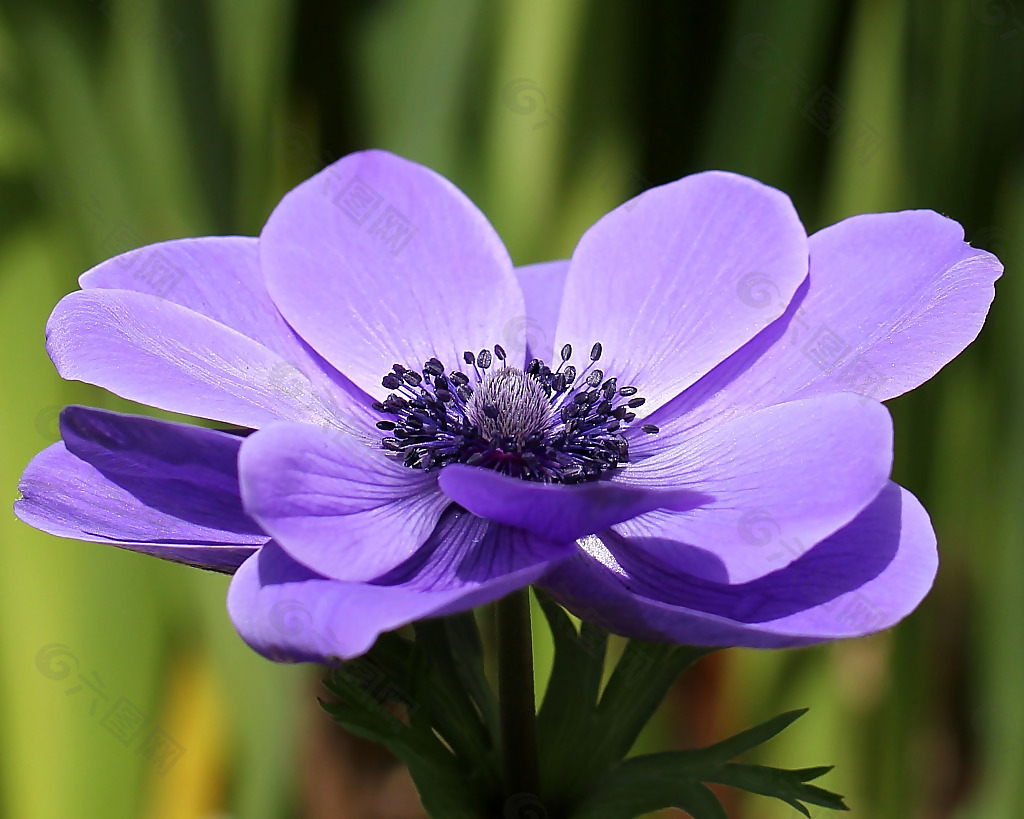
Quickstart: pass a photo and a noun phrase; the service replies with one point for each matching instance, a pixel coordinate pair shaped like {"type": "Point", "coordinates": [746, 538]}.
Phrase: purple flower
{"type": "Point", "coordinates": [677, 433]}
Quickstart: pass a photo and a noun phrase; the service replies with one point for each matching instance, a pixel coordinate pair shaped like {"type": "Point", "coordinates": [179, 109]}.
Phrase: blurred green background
{"type": "Point", "coordinates": [124, 122]}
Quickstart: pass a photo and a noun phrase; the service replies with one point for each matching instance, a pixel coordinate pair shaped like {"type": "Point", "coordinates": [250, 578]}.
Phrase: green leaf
{"type": "Point", "coordinates": [453, 713]}
{"type": "Point", "coordinates": [444, 738]}
{"type": "Point", "coordinates": [583, 731]}
{"type": "Point", "coordinates": [675, 779]}
{"type": "Point", "coordinates": [464, 638]}
{"type": "Point", "coordinates": [789, 786]}
{"type": "Point", "coordinates": [365, 694]}
{"type": "Point", "coordinates": [642, 678]}
{"type": "Point", "coordinates": [570, 701]}
{"type": "Point", "coordinates": [722, 752]}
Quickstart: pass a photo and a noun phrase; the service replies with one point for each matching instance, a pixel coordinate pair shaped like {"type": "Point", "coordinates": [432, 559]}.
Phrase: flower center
{"type": "Point", "coordinates": [509, 404]}
{"type": "Point", "coordinates": [537, 424]}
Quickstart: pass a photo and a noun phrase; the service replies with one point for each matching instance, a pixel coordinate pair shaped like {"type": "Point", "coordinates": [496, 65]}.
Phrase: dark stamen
{"type": "Point", "coordinates": [535, 423]}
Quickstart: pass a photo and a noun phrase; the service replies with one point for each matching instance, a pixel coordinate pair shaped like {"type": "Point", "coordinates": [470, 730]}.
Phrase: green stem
{"type": "Point", "coordinates": [519, 761]}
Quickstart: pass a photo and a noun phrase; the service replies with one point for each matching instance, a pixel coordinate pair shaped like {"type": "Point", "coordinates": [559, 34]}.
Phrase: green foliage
{"type": "Point", "coordinates": [582, 730]}
{"type": "Point", "coordinates": [643, 784]}
{"type": "Point", "coordinates": [408, 696]}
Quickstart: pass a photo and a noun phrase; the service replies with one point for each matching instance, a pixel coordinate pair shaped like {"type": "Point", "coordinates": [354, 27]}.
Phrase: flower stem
{"type": "Point", "coordinates": [519, 761]}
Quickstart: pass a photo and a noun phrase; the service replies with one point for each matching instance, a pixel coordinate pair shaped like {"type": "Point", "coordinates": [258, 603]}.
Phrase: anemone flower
{"type": "Point", "coordinates": [677, 433]}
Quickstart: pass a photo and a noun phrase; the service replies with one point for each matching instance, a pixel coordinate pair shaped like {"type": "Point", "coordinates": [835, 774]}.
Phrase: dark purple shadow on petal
{"type": "Point", "coordinates": [220, 559]}
{"type": "Point", "coordinates": [643, 445]}
{"type": "Point", "coordinates": [835, 566]}
{"type": "Point", "coordinates": [464, 548]}
{"type": "Point", "coordinates": [558, 511]}
{"type": "Point", "coordinates": [276, 567]}
{"type": "Point", "coordinates": [65, 496]}
{"type": "Point", "coordinates": [188, 472]}
{"type": "Point", "coordinates": [649, 555]}
{"type": "Point", "coordinates": [148, 448]}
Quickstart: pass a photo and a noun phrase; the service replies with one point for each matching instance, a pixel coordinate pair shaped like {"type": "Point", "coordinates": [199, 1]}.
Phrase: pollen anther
{"type": "Point", "coordinates": [533, 423]}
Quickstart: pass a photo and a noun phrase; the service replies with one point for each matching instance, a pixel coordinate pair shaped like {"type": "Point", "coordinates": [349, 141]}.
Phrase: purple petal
{"type": "Point", "coordinates": [892, 298]}
{"type": "Point", "coordinates": [156, 487]}
{"type": "Point", "coordinates": [216, 276]}
{"type": "Point", "coordinates": [378, 260]}
{"type": "Point", "coordinates": [533, 334]}
{"type": "Point", "coordinates": [288, 613]}
{"type": "Point", "coordinates": [466, 550]}
{"type": "Point", "coordinates": [220, 277]}
{"type": "Point", "coordinates": [901, 293]}
{"type": "Point", "coordinates": [661, 281]}
{"type": "Point", "coordinates": [336, 503]}
{"type": "Point", "coordinates": [153, 351]}
{"type": "Point", "coordinates": [714, 399]}
{"type": "Point", "coordinates": [802, 470]}
{"type": "Point", "coordinates": [865, 578]}
{"type": "Point", "coordinates": [137, 446]}
{"type": "Point", "coordinates": [556, 511]}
